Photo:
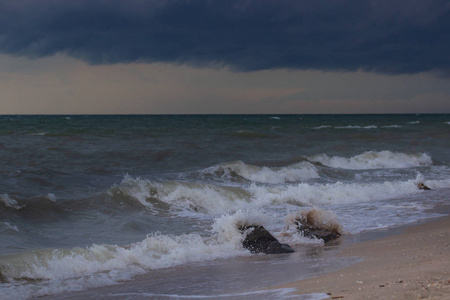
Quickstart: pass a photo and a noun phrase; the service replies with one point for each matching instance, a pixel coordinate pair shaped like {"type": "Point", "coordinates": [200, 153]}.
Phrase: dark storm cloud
{"type": "Point", "coordinates": [388, 36]}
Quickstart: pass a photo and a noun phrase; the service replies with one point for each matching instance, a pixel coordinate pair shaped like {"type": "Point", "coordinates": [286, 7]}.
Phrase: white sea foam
{"type": "Point", "coordinates": [100, 265]}
{"type": "Point", "coordinates": [139, 189]}
{"type": "Point", "coordinates": [8, 226]}
{"type": "Point", "coordinates": [356, 218]}
{"type": "Point", "coordinates": [183, 197]}
{"type": "Point", "coordinates": [216, 200]}
{"type": "Point", "coordinates": [293, 173]}
{"type": "Point", "coordinates": [375, 160]}
{"type": "Point", "coordinates": [63, 270]}
{"type": "Point", "coordinates": [283, 293]}
{"type": "Point", "coordinates": [51, 197]}
{"type": "Point", "coordinates": [414, 122]}
{"type": "Point", "coordinates": [227, 225]}
{"type": "Point", "coordinates": [315, 217]}
{"type": "Point", "coordinates": [322, 127]}
{"type": "Point", "coordinates": [438, 184]}
{"type": "Point", "coordinates": [392, 126]}
{"type": "Point", "coordinates": [340, 193]}
{"type": "Point", "coordinates": [357, 127]}
{"type": "Point", "coordinates": [9, 202]}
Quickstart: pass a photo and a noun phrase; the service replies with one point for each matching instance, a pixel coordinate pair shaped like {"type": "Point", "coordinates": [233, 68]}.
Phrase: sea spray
{"type": "Point", "coordinates": [315, 217]}
{"type": "Point", "coordinates": [227, 226]}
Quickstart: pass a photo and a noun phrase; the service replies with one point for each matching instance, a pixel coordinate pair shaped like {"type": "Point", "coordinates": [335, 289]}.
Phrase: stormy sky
{"type": "Point", "coordinates": [206, 56]}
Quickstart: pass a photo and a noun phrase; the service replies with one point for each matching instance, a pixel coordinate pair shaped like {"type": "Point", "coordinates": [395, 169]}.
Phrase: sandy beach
{"type": "Point", "coordinates": [412, 265]}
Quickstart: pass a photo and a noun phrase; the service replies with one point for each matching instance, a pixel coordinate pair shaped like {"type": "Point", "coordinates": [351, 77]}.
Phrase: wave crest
{"type": "Point", "coordinates": [341, 193]}
{"type": "Point", "coordinates": [184, 196]}
{"type": "Point", "coordinates": [7, 201]}
{"type": "Point", "coordinates": [292, 173]}
{"type": "Point", "coordinates": [100, 265]}
{"type": "Point", "coordinates": [374, 160]}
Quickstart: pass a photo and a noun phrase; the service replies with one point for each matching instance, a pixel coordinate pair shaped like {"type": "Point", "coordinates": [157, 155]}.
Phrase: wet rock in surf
{"type": "Point", "coordinates": [318, 224]}
{"type": "Point", "coordinates": [258, 240]}
{"type": "Point", "coordinates": [318, 233]}
{"type": "Point", "coordinates": [422, 186]}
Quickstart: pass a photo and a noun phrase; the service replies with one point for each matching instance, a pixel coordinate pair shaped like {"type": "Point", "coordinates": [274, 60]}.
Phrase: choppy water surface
{"type": "Point", "coordinates": [91, 201]}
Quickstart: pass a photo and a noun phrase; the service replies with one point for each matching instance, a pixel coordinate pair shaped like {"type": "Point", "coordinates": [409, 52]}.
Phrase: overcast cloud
{"type": "Point", "coordinates": [383, 36]}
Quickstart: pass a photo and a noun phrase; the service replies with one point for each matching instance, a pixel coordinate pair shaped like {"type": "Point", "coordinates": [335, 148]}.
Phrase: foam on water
{"type": "Point", "coordinates": [375, 160]}
{"type": "Point", "coordinates": [74, 269]}
{"type": "Point", "coordinates": [52, 271]}
{"type": "Point", "coordinates": [227, 224]}
{"type": "Point", "coordinates": [322, 127]}
{"type": "Point", "coordinates": [340, 193]}
{"type": "Point", "coordinates": [357, 127]}
{"type": "Point", "coordinates": [293, 173]}
{"type": "Point", "coordinates": [8, 226]}
{"type": "Point", "coordinates": [315, 217]}
{"type": "Point", "coordinates": [186, 196]}
{"type": "Point", "coordinates": [9, 202]}
{"type": "Point", "coordinates": [214, 199]}
{"type": "Point", "coordinates": [283, 293]}
{"type": "Point", "coordinates": [212, 203]}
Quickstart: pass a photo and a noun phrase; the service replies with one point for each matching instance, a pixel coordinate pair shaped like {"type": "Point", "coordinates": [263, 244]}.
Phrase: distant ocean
{"type": "Point", "coordinates": [96, 201]}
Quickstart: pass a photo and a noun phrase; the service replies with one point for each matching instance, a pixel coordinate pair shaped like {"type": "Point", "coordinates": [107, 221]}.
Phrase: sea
{"type": "Point", "coordinates": [148, 206]}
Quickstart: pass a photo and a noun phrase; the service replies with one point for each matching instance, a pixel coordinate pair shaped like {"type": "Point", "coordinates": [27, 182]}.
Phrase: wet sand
{"type": "Point", "coordinates": [414, 264]}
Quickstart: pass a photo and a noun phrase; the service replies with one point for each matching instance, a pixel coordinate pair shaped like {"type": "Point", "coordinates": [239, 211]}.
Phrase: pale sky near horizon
{"type": "Point", "coordinates": [174, 57]}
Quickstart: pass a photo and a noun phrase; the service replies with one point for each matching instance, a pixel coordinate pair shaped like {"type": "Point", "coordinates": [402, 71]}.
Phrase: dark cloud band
{"type": "Point", "coordinates": [388, 36]}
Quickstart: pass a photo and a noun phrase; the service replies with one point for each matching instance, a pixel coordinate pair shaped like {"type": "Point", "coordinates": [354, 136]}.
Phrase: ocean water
{"type": "Point", "coordinates": [98, 201]}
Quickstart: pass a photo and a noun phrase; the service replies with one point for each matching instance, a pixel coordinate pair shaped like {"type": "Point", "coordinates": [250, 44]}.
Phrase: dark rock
{"type": "Point", "coordinates": [260, 240]}
{"type": "Point", "coordinates": [311, 226]}
{"type": "Point", "coordinates": [318, 233]}
{"type": "Point", "coordinates": [422, 186]}
{"type": "Point", "coordinates": [278, 248]}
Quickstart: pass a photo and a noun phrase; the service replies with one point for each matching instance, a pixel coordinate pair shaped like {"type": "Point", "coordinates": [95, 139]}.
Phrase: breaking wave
{"type": "Point", "coordinates": [341, 193]}
{"type": "Point", "coordinates": [52, 271]}
{"type": "Point", "coordinates": [212, 199]}
{"type": "Point", "coordinates": [7, 201]}
{"type": "Point", "coordinates": [322, 127]}
{"type": "Point", "coordinates": [99, 265]}
{"type": "Point", "coordinates": [292, 173]}
{"type": "Point", "coordinates": [184, 196]}
{"type": "Point", "coordinates": [374, 160]}
{"type": "Point", "coordinates": [7, 226]}
{"type": "Point", "coordinates": [357, 127]}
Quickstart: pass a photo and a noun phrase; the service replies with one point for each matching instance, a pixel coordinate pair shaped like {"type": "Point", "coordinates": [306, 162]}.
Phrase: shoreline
{"type": "Point", "coordinates": [413, 264]}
